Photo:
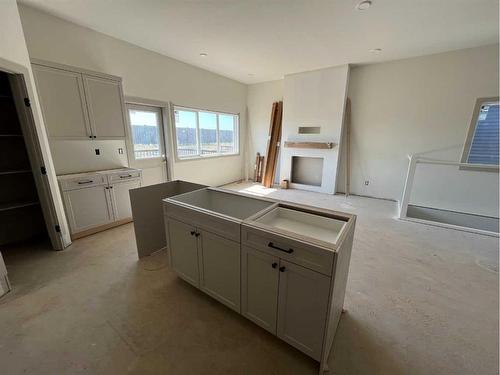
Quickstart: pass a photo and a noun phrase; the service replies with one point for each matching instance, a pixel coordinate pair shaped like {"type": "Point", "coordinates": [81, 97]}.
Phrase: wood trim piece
{"type": "Point", "coordinates": [318, 145]}
{"type": "Point", "coordinates": [273, 144]}
{"type": "Point", "coordinates": [100, 228]}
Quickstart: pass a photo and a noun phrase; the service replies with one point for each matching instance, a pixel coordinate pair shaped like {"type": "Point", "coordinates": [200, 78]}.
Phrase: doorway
{"type": "Point", "coordinates": [27, 226]}
{"type": "Point", "coordinates": [147, 146]}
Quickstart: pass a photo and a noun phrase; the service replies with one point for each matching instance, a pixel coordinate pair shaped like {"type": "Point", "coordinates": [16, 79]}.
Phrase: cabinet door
{"type": "Point", "coordinates": [220, 269]}
{"type": "Point", "coordinates": [302, 308]}
{"type": "Point", "coordinates": [183, 251]}
{"type": "Point", "coordinates": [63, 103]}
{"type": "Point", "coordinates": [87, 208]}
{"type": "Point", "coordinates": [259, 287]}
{"type": "Point", "coordinates": [105, 104]}
{"type": "Point", "coordinates": [121, 199]}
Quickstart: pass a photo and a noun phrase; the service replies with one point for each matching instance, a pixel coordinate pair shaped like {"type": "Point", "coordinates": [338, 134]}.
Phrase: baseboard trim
{"type": "Point", "coordinates": [100, 228]}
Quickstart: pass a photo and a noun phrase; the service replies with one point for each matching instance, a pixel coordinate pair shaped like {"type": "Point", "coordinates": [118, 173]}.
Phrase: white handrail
{"type": "Point", "coordinates": [424, 160]}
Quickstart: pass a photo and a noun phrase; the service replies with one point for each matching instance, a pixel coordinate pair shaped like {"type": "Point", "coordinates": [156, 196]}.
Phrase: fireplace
{"type": "Point", "coordinates": [307, 170]}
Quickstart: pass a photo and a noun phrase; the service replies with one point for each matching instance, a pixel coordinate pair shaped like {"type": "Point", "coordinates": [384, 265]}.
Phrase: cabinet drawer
{"type": "Point", "coordinates": [124, 176]}
{"type": "Point", "coordinates": [223, 227]}
{"type": "Point", "coordinates": [312, 257]}
{"type": "Point", "coordinates": [83, 181]}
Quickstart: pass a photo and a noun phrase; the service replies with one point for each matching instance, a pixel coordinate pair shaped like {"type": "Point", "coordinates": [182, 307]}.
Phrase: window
{"type": "Point", "coordinates": [481, 145]}
{"type": "Point", "coordinates": [146, 124]}
{"type": "Point", "coordinates": [205, 133]}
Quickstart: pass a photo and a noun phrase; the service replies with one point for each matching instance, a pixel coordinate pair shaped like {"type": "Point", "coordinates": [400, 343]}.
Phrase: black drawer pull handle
{"type": "Point", "coordinates": [274, 265]}
{"type": "Point", "coordinates": [126, 176]}
{"type": "Point", "coordinates": [282, 269]}
{"type": "Point", "coordinates": [85, 182]}
{"type": "Point", "coordinates": [197, 234]}
{"type": "Point", "coordinates": [193, 233]}
{"type": "Point", "coordinates": [271, 245]}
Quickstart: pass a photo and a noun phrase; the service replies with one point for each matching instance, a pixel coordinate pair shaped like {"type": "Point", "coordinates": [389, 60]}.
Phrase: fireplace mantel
{"type": "Point", "coordinates": [317, 145]}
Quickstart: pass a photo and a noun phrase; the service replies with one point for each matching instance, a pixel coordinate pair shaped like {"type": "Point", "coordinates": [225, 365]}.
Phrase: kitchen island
{"type": "Point", "coordinates": [283, 266]}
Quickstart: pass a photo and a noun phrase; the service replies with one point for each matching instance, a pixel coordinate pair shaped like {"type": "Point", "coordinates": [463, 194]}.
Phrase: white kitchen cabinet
{"type": "Point", "coordinates": [183, 251]}
{"type": "Point", "coordinates": [121, 198]}
{"type": "Point", "coordinates": [302, 307]}
{"type": "Point", "coordinates": [95, 201]}
{"type": "Point", "coordinates": [104, 101]}
{"type": "Point", "coordinates": [294, 261]}
{"type": "Point", "coordinates": [88, 207]}
{"type": "Point", "coordinates": [63, 102]}
{"type": "Point", "coordinates": [219, 263]}
{"type": "Point", "coordinates": [78, 104]}
{"type": "Point", "coordinates": [259, 287]}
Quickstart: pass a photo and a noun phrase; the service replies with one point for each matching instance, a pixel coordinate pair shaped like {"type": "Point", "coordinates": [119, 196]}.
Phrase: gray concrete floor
{"type": "Point", "coordinates": [420, 300]}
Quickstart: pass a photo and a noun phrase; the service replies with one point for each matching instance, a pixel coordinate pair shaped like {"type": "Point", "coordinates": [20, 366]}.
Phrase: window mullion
{"type": "Point", "coordinates": [198, 134]}
{"type": "Point", "coordinates": [218, 135]}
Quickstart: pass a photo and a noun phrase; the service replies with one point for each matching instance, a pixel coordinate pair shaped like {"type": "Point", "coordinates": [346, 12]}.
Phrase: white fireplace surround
{"type": "Point", "coordinates": [314, 99]}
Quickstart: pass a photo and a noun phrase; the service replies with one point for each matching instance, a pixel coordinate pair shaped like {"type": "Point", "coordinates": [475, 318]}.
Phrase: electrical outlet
{"type": "Point", "coordinates": [120, 151]}
{"type": "Point", "coordinates": [97, 151]}
{"type": "Point", "coordinates": [367, 182]}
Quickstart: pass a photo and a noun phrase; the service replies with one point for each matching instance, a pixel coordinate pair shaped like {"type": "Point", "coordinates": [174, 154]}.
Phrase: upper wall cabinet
{"type": "Point", "coordinates": [63, 103]}
{"type": "Point", "coordinates": [78, 104]}
{"type": "Point", "coordinates": [104, 101]}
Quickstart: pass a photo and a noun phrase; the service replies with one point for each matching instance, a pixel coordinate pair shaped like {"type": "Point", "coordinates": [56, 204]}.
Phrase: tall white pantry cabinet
{"type": "Point", "coordinates": [81, 105]}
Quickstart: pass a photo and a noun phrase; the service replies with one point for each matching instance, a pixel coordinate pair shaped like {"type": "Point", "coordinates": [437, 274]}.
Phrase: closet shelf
{"type": "Point", "coordinates": [2, 173]}
{"type": "Point", "coordinates": [10, 135]}
{"type": "Point", "coordinates": [15, 205]}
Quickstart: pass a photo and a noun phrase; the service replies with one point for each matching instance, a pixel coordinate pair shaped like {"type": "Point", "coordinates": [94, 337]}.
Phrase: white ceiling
{"type": "Point", "coordinates": [254, 40]}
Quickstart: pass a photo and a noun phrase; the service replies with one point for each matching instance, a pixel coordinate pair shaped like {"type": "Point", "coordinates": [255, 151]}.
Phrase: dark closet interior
{"type": "Point", "coordinates": [21, 215]}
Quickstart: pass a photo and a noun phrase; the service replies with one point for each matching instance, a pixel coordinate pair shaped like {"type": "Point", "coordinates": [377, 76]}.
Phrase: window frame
{"type": "Point", "coordinates": [199, 156]}
{"type": "Point", "coordinates": [470, 136]}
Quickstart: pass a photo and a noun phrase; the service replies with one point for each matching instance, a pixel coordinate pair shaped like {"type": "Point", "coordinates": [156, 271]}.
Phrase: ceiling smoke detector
{"type": "Point", "coordinates": [364, 5]}
{"type": "Point", "coordinates": [376, 50]}
{"type": "Point", "coordinates": [203, 54]}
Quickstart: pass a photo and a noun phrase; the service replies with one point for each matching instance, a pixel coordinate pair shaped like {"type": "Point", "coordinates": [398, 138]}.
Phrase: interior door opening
{"type": "Point", "coordinates": [23, 225]}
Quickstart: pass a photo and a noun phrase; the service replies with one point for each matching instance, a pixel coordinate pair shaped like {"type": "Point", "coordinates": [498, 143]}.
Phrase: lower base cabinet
{"type": "Point", "coordinates": [183, 251]}
{"type": "Point", "coordinates": [206, 260]}
{"type": "Point", "coordinates": [88, 207]}
{"type": "Point", "coordinates": [302, 308]}
{"type": "Point", "coordinates": [121, 198]}
{"type": "Point", "coordinates": [259, 287]}
{"type": "Point", "coordinates": [288, 300]}
{"type": "Point", "coordinates": [219, 263]}
{"type": "Point", "coordinates": [95, 201]}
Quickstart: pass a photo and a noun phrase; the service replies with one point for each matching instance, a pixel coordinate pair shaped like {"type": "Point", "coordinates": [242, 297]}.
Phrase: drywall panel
{"type": "Point", "coordinates": [315, 98]}
{"type": "Point", "coordinates": [421, 105]}
{"type": "Point", "coordinates": [146, 75]}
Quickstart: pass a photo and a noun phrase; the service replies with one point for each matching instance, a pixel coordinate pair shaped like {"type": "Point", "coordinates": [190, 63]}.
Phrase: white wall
{"type": "Point", "coordinates": [147, 75]}
{"type": "Point", "coordinates": [419, 105]}
{"type": "Point", "coordinates": [260, 101]}
{"type": "Point", "coordinates": [13, 52]}
{"type": "Point", "coordinates": [315, 98]}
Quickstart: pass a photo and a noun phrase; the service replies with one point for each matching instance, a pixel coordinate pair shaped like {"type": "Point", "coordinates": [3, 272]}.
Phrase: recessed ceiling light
{"type": "Point", "coordinates": [203, 54]}
{"type": "Point", "coordinates": [364, 5]}
{"type": "Point", "coordinates": [376, 50]}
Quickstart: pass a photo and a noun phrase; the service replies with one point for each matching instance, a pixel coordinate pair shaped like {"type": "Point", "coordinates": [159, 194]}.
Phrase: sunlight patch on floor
{"type": "Point", "coordinates": [257, 189]}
